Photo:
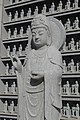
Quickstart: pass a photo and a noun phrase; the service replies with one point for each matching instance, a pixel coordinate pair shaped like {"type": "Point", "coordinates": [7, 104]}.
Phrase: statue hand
{"type": "Point", "coordinates": [16, 61]}
{"type": "Point", "coordinates": [37, 75]}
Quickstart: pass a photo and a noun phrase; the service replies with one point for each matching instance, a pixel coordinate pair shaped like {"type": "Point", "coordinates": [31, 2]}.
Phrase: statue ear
{"type": "Point", "coordinates": [48, 40]}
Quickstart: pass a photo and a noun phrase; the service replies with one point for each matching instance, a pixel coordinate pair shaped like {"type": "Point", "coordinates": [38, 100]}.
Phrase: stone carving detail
{"type": "Point", "coordinates": [71, 112]}
{"type": "Point", "coordinates": [40, 75]}
{"type": "Point", "coordinates": [72, 46]}
{"type": "Point", "coordinates": [71, 67]}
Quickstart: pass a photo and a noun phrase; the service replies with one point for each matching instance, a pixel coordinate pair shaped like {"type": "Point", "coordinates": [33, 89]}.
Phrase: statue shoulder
{"type": "Point", "coordinates": [52, 51]}
{"type": "Point", "coordinates": [54, 56]}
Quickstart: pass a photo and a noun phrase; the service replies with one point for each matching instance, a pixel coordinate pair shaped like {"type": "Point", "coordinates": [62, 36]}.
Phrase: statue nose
{"type": "Point", "coordinates": [37, 36]}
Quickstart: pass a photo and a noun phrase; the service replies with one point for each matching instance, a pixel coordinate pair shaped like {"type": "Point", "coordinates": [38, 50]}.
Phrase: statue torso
{"type": "Point", "coordinates": [37, 62]}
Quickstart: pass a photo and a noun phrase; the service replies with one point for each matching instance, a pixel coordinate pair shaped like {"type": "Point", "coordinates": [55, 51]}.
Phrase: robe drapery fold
{"type": "Point", "coordinates": [49, 92]}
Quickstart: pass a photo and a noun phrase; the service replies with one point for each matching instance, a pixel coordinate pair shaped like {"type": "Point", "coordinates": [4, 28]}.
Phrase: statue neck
{"type": "Point", "coordinates": [41, 48]}
{"type": "Point", "coordinates": [41, 51]}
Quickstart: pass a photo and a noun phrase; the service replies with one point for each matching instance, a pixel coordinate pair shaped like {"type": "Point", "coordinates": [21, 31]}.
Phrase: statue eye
{"type": "Point", "coordinates": [41, 33]}
{"type": "Point", "coordinates": [33, 34]}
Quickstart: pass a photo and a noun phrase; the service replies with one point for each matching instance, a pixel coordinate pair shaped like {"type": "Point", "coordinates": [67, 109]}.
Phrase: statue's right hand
{"type": "Point", "coordinates": [16, 61]}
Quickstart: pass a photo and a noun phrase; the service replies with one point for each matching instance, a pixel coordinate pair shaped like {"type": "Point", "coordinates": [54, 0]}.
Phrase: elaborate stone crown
{"type": "Point", "coordinates": [40, 21]}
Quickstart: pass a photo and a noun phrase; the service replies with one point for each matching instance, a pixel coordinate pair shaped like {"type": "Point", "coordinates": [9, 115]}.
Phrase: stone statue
{"type": "Point", "coordinates": [36, 11]}
{"type": "Point", "coordinates": [6, 88]}
{"type": "Point", "coordinates": [16, 15]}
{"type": "Point", "coordinates": [29, 13]}
{"type": "Point", "coordinates": [68, 5]}
{"type": "Point", "coordinates": [22, 14]}
{"type": "Point", "coordinates": [39, 77]}
{"type": "Point", "coordinates": [9, 33]}
{"type": "Point", "coordinates": [12, 107]}
{"type": "Point", "coordinates": [5, 107]}
{"type": "Point", "coordinates": [10, 16]}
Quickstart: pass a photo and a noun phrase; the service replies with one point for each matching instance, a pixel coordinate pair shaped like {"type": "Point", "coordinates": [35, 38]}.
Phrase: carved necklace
{"type": "Point", "coordinates": [38, 59]}
{"type": "Point", "coordinates": [40, 53]}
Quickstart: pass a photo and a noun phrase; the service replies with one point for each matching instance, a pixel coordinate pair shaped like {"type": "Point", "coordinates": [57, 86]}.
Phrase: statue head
{"type": "Point", "coordinates": [40, 31]}
{"type": "Point", "coordinates": [51, 27]}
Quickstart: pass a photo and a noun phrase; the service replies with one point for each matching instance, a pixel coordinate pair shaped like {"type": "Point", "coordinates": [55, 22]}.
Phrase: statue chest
{"type": "Point", "coordinates": [37, 63]}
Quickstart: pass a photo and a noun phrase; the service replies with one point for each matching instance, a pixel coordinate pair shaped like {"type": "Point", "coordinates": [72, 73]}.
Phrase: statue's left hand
{"type": "Point", "coordinates": [37, 75]}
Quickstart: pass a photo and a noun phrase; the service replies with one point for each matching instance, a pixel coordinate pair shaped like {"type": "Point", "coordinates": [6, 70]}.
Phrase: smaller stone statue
{"type": "Point", "coordinates": [14, 50]}
{"type": "Point", "coordinates": [72, 65]}
{"type": "Point", "coordinates": [15, 32]}
{"type": "Point", "coordinates": [72, 44]}
{"type": "Point", "coordinates": [68, 24]}
{"type": "Point", "coordinates": [21, 32]}
{"type": "Point", "coordinates": [59, 8]}
{"type": "Point", "coordinates": [77, 45]}
{"type": "Point", "coordinates": [36, 11]}
{"type": "Point", "coordinates": [69, 46]}
{"type": "Point", "coordinates": [77, 67]}
{"type": "Point", "coordinates": [76, 88]}
{"type": "Point", "coordinates": [8, 51]}
{"type": "Point", "coordinates": [44, 9]}
{"type": "Point", "coordinates": [28, 30]}
{"type": "Point", "coordinates": [5, 107]}
{"type": "Point", "coordinates": [76, 23]}
{"type": "Point", "coordinates": [7, 69]}
{"type": "Point", "coordinates": [9, 33]}
{"type": "Point", "coordinates": [64, 89]}
{"type": "Point", "coordinates": [77, 110]}
{"type": "Point", "coordinates": [12, 70]}
{"type": "Point", "coordinates": [64, 47]}
{"type": "Point", "coordinates": [13, 88]}
{"type": "Point", "coordinates": [10, 16]}
{"type": "Point", "coordinates": [52, 9]}
{"type": "Point", "coordinates": [29, 13]}
{"type": "Point", "coordinates": [12, 107]}
{"type": "Point", "coordinates": [22, 14]}
{"type": "Point", "coordinates": [64, 66]}
{"type": "Point", "coordinates": [67, 88]}
{"type": "Point", "coordinates": [67, 6]}
{"type": "Point", "coordinates": [69, 67]}
{"type": "Point", "coordinates": [75, 4]}
{"type": "Point", "coordinates": [20, 50]}
{"type": "Point", "coordinates": [16, 16]}
{"type": "Point", "coordinates": [64, 111]}
{"type": "Point", "coordinates": [6, 88]}
{"type": "Point", "coordinates": [68, 111]}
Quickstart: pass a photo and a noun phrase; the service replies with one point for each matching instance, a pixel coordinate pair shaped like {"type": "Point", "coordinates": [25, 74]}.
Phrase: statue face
{"type": "Point", "coordinates": [40, 36]}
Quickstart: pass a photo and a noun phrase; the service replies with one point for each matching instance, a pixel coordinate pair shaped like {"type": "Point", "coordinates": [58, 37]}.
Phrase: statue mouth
{"type": "Point", "coordinates": [37, 40]}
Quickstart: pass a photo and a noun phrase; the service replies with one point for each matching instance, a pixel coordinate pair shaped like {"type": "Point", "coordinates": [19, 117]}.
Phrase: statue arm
{"type": "Point", "coordinates": [16, 63]}
{"type": "Point", "coordinates": [55, 56]}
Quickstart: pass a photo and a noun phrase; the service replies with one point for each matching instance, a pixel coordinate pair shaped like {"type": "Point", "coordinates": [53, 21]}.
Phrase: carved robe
{"type": "Point", "coordinates": [40, 99]}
